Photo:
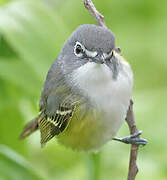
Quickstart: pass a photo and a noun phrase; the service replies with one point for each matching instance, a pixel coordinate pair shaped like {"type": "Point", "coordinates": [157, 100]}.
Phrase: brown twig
{"type": "Point", "coordinates": [93, 11]}
{"type": "Point", "coordinates": [133, 169]}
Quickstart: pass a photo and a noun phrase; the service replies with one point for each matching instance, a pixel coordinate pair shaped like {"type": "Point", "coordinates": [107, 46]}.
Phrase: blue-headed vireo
{"type": "Point", "coordinates": [87, 92]}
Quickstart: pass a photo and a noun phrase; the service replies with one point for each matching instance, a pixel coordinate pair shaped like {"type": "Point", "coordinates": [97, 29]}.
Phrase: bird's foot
{"type": "Point", "coordinates": [132, 139]}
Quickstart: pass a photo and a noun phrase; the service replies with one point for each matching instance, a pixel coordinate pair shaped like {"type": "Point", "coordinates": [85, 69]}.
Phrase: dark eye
{"type": "Point", "coordinates": [78, 49]}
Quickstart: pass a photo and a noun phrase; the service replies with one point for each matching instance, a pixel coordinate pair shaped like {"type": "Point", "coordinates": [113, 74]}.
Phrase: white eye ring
{"type": "Point", "coordinates": [79, 49]}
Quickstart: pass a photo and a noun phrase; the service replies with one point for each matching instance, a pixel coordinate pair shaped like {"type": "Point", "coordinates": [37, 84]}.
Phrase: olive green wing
{"type": "Point", "coordinates": [52, 125]}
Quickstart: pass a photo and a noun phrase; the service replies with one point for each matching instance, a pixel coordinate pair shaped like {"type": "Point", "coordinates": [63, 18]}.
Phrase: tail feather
{"type": "Point", "coordinates": [29, 128]}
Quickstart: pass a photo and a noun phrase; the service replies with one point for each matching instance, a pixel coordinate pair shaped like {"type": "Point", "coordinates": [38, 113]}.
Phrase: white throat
{"type": "Point", "coordinates": [95, 80]}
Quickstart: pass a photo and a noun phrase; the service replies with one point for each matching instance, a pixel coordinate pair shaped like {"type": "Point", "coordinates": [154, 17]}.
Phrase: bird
{"type": "Point", "coordinates": [87, 92]}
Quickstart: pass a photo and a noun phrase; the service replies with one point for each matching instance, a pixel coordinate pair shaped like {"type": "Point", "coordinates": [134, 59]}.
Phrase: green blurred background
{"type": "Point", "coordinates": [31, 36]}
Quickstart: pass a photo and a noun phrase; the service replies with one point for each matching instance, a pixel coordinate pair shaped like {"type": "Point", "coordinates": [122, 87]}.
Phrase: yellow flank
{"type": "Point", "coordinates": [83, 132]}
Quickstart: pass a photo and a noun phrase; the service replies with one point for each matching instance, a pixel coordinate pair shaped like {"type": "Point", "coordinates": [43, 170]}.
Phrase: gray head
{"type": "Point", "coordinates": [93, 38]}
{"type": "Point", "coordinates": [88, 43]}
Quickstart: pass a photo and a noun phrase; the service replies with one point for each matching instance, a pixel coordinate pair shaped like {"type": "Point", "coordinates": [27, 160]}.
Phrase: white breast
{"type": "Point", "coordinates": [95, 80]}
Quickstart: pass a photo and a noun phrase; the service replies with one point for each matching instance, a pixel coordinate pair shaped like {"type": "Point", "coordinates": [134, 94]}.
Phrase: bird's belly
{"type": "Point", "coordinates": [93, 130]}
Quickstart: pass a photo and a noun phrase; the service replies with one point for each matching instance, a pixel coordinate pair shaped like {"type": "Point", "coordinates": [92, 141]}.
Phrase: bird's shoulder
{"type": "Point", "coordinates": [57, 103]}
